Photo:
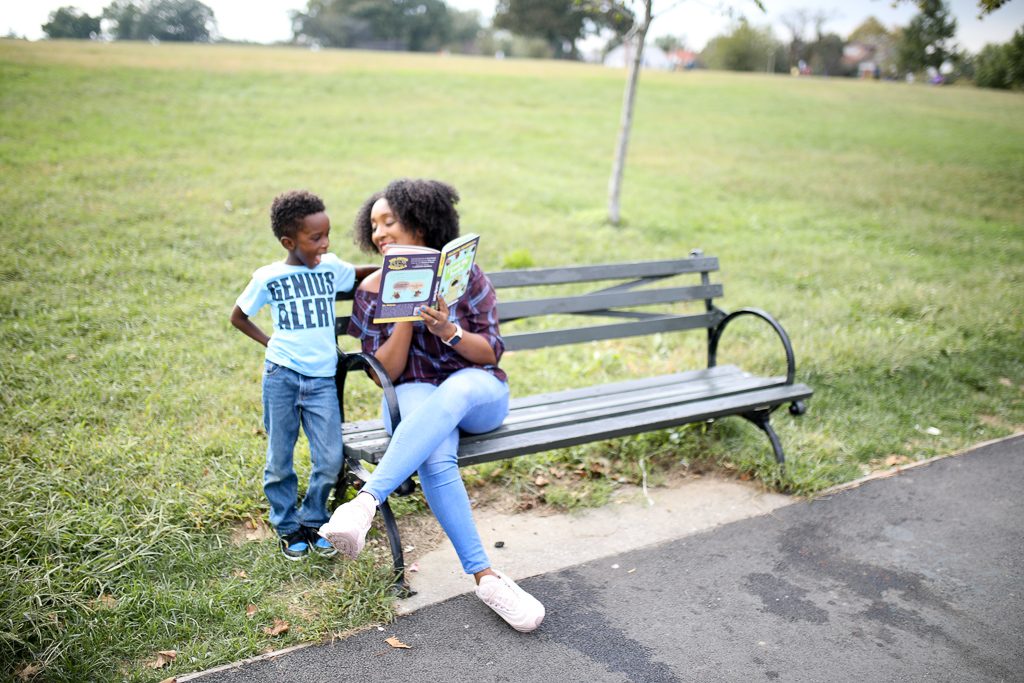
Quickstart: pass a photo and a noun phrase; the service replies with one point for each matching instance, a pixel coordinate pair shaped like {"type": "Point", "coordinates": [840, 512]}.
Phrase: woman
{"type": "Point", "coordinates": [446, 375]}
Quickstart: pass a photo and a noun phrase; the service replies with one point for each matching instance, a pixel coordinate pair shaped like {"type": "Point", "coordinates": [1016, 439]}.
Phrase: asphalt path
{"type": "Point", "coordinates": [914, 577]}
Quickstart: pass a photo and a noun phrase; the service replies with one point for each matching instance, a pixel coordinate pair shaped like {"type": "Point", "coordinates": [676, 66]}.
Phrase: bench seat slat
{"type": "Point", "coordinates": [634, 423]}
{"type": "Point", "coordinates": [625, 385]}
{"type": "Point", "coordinates": [372, 428]}
{"type": "Point", "coordinates": [600, 419]}
{"type": "Point", "coordinates": [590, 411]}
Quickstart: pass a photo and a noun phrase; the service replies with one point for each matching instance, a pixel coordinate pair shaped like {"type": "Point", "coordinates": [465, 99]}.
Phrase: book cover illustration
{"type": "Point", "coordinates": [413, 276]}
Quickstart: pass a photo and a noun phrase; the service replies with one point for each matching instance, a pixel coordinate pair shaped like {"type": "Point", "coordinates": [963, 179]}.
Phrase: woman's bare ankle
{"type": "Point", "coordinates": [482, 573]}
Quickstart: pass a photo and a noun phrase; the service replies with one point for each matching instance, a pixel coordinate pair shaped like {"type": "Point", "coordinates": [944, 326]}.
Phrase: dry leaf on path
{"type": "Point", "coordinates": [163, 658]}
{"type": "Point", "coordinates": [280, 626]}
{"type": "Point", "coordinates": [251, 611]}
{"type": "Point", "coordinates": [172, 679]}
{"type": "Point", "coordinates": [541, 481]}
{"type": "Point", "coordinates": [396, 643]}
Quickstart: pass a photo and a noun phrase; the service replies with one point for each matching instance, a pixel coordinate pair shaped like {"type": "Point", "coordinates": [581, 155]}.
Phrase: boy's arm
{"type": "Point", "coordinates": [247, 326]}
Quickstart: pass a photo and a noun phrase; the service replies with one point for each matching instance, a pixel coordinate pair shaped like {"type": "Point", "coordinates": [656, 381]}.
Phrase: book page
{"type": "Point", "coordinates": [454, 269]}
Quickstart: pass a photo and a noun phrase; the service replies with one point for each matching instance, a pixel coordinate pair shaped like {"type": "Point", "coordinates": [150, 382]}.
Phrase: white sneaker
{"type": "Point", "coordinates": [522, 611]}
{"type": "Point", "coordinates": [346, 530]}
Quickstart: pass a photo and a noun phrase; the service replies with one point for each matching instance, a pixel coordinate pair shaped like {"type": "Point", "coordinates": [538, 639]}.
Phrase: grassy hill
{"type": "Point", "coordinates": [883, 224]}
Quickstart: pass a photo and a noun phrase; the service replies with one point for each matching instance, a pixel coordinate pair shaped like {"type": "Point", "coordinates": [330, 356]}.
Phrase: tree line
{"type": "Point", "coordinates": [555, 29]}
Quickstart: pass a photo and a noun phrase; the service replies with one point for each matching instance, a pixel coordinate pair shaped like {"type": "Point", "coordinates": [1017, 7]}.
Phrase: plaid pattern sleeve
{"type": "Point", "coordinates": [429, 359]}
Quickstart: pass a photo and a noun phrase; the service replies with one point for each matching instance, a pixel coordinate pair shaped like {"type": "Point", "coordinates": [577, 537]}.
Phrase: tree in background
{"type": "Point", "coordinates": [880, 40]}
{"type": "Point", "coordinates": [172, 20]}
{"type": "Point", "coordinates": [562, 23]}
{"type": "Point", "coordinates": [70, 22]}
{"type": "Point", "coordinates": [927, 40]}
{"type": "Point", "coordinates": [1001, 66]}
{"type": "Point", "coordinates": [636, 35]}
{"type": "Point", "coordinates": [670, 43]}
{"type": "Point", "coordinates": [414, 25]}
{"type": "Point", "coordinates": [744, 48]}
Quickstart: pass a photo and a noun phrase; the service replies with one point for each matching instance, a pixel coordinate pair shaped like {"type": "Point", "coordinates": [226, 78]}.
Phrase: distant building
{"type": "Point", "coordinates": [684, 59]}
{"type": "Point", "coordinates": [653, 58]}
{"type": "Point", "coordinates": [860, 59]}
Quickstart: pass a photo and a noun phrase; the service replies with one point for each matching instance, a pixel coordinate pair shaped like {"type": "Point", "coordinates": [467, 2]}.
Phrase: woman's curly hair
{"type": "Point", "coordinates": [423, 207]}
{"type": "Point", "coordinates": [288, 210]}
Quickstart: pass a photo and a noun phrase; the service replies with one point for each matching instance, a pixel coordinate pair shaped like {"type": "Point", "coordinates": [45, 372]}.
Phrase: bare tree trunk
{"type": "Point", "coordinates": [639, 34]}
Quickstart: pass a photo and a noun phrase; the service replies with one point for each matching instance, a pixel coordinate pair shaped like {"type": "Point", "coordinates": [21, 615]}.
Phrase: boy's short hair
{"type": "Point", "coordinates": [425, 207]}
{"type": "Point", "coordinates": [288, 210]}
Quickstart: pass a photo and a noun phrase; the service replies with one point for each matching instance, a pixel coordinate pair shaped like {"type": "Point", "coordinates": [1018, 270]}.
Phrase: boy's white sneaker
{"type": "Point", "coordinates": [347, 528]}
{"type": "Point", "coordinates": [522, 611]}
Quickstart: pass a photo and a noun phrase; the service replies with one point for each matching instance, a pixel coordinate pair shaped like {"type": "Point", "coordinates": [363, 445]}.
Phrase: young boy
{"type": "Point", "coordinates": [298, 374]}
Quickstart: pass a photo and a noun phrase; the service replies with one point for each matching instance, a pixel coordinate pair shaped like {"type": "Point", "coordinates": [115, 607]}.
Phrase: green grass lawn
{"type": "Point", "coordinates": [883, 224]}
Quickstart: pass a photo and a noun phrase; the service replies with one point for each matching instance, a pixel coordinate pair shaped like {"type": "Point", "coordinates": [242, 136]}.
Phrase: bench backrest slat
{"type": "Point", "coordinates": [513, 310]}
{"type": "Point", "coordinates": [529, 277]}
{"type": "Point", "coordinates": [535, 340]}
{"type": "Point", "coordinates": [623, 300]}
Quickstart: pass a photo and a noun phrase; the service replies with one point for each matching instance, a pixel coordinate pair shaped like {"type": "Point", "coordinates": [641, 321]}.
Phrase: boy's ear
{"type": "Point", "coordinates": [288, 243]}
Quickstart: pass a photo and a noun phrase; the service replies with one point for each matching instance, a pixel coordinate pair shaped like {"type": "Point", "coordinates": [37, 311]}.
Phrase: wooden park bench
{"type": "Point", "coordinates": [547, 421]}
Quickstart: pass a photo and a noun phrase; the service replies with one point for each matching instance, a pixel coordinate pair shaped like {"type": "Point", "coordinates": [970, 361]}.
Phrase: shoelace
{"type": "Point", "coordinates": [504, 598]}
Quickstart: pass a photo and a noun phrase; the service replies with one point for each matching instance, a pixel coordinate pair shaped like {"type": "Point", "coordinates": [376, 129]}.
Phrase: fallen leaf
{"type": "Point", "coordinates": [163, 658]}
{"type": "Point", "coordinates": [280, 626]}
{"type": "Point", "coordinates": [239, 574]}
{"type": "Point", "coordinates": [1005, 381]}
{"type": "Point", "coordinates": [541, 481]}
{"type": "Point", "coordinates": [414, 567]}
{"type": "Point", "coordinates": [107, 601]}
{"type": "Point", "coordinates": [894, 460]}
{"type": "Point", "coordinates": [29, 671]}
{"type": "Point", "coordinates": [172, 679]}
{"type": "Point", "coordinates": [251, 611]}
{"type": "Point", "coordinates": [396, 643]}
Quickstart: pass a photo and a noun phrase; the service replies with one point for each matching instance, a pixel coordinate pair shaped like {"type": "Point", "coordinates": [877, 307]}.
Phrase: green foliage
{"type": "Point", "coordinates": [744, 48]}
{"type": "Point", "coordinates": [1001, 66]}
{"type": "Point", "coordinates": [517, 258]}
{"type": "Point", "coordinates": [413, 25]}
{"type": "Point", "coordinates": [171, 20]}
{"type": "Point", "coordinates": [561, 23]}
{"type": "Point", "coordinates": [926, 41]}
{"type": "Point", "coordinates": [137, 180]}
{"type": "Point", "coordinates": [70, 22]}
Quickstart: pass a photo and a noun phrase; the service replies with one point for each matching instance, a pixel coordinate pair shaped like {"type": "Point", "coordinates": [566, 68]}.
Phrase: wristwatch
{"type": "Point", "coordinates": [455, 338]}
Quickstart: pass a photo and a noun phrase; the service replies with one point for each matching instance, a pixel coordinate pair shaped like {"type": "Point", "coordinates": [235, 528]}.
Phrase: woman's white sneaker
{"type": "Point", "coordinates": [522, 611]}
{"type": "Point", "coordinates": [347, 528]}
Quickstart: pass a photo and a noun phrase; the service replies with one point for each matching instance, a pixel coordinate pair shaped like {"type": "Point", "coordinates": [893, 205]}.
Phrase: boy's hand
{"type": "Point", "coordinates": [436, 320]}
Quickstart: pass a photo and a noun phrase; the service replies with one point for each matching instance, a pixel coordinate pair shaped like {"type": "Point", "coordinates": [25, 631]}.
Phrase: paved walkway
{"type": "Point", "coordinates": [918, 576]}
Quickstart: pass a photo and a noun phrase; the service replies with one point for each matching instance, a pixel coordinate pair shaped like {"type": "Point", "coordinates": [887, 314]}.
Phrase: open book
{"type": "Point", "coordinates": [413, 276]}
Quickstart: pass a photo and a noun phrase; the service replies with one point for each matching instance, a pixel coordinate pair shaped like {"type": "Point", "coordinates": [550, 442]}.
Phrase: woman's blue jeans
{"type": "Point", "coordinates": [427, 441]}
{"type": "Point", "coordinates": [291, 399]}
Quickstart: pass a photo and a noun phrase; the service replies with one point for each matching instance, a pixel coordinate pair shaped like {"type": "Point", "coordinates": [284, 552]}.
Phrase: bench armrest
{"type": "Point", "coordinates": [716, 334]}
{"type": "Point", "coordinates": [363, 361]}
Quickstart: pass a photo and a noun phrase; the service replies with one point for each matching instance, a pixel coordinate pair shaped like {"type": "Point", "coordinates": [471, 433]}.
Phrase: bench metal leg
{"type": "Point", "coordinates": [352, 473]}
{"type": "Point", "coordinates": [762, 418]}
{"type": "Point", "coordinates": [401, 589]}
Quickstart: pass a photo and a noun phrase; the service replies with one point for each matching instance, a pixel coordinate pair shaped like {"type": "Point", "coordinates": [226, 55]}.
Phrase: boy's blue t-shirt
{"type": "Point", "coordinates": [301, 304]}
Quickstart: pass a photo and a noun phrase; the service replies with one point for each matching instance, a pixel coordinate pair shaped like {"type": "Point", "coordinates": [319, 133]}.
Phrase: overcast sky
{"type": "Point", "coordinates": [266, 21]}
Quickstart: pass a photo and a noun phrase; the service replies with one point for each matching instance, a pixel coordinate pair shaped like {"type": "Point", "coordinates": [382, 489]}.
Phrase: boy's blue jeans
{"type": "Point", "coordinates": [427, 441]}
{"type": "Point", "coordinates": [291, 399]}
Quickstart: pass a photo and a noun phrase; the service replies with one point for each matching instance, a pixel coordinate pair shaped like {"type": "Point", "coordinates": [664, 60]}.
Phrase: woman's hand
{"type": "Point", "coordinates": [436, 320]}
